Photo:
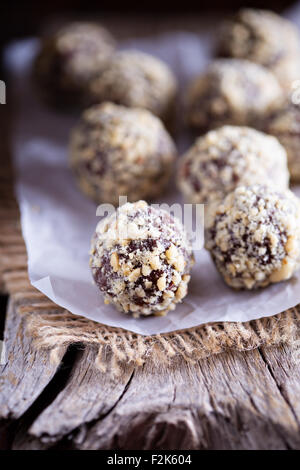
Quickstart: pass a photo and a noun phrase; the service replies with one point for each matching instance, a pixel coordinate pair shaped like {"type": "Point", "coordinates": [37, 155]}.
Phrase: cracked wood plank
{"type": "Point", "coordinates": [283, 365]}
{"type": "Point", "coordinates": [27, 371]}
{"type": "Point", "coordinates": [88, 396]}
{"type": "Point", "coordinates": [228, 401]}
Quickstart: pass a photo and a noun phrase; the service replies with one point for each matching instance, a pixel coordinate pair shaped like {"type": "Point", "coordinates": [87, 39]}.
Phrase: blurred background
{"type": "Point", "coordinates": [124, 18]}
{"type": "Point", "coordinates": [25, 18]}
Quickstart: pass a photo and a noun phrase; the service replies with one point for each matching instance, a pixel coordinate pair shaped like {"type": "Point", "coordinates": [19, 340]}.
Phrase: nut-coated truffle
{"type": "Point", "coordinates": [136, 79]}
{"type": "Point", "coordinates": [141, 259]}
{"type": "Point", "coordinates": [285, 125]}
{"type": "Point", "coordinates": [69, 59]}
{"type": "Point", "coordinates": [254, 236]}
{"type": "Point", "coordinates": [232, 91]}
{"type": "Point", "coordinates": [265, 38]}
{"type": "Point", "coordinates": [228, 157]}
{"type": "Point", "coordinates": [117, 151]}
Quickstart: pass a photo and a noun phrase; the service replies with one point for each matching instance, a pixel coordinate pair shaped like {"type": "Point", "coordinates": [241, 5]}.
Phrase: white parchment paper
{"type": "Point", "coordinates": [58, 221]}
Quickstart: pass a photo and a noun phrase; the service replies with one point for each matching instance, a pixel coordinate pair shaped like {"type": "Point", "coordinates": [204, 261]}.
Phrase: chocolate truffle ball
{"type": "Point", "coordinates": [69, 59]}
{"type": "Point", "coordinates": [228, 157]}
{"type": "Point", "coordinates": [140, 260]}
{"type": "Point", "coordinates": [135, 79]}
{"type": "Point", "coordinates": [121, 151]}
{"type": "Point", "coordinates": [265, 38]}
{"type": "Point", "coordinates": [254, 236]}
{"type": "Point", "coordinates": [232, 92]}
{"type": "Point", "coordinates": [285, 125]}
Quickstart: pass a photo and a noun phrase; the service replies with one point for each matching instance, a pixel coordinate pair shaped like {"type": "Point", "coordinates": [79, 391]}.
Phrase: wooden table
{"type": "Point", "coordinates": [233, 400]}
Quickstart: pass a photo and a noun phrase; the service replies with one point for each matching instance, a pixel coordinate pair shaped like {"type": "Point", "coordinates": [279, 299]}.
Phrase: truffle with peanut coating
{"type": "Point", "coordinates": [228, 157]}
{"type": "Point", "coordinates": [69, 59]}
{"type": "Point", "coordinates": [117, 151]}
{"type": "Point", "coordinates": [232, 91]}
{"type": "Point", "coordinates": [254, 236]}
{"type": "Point", "coordinates": [285, 125]}
{"type": "Point", "coordinates": [265, 38]}
{"type": "Point", "coordinates": [141, 259]}
{"type": "Point", "coordinates": [136, 79]}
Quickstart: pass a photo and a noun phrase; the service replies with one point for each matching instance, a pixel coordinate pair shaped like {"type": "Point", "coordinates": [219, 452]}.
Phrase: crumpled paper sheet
{"type": "Point", "coordinates": [58, 221]}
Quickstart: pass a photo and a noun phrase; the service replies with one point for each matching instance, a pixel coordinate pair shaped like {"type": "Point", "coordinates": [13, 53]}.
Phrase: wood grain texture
{"type": "Point", "coordinates": [233, 400]}
{"type": "Point", "coordinates": [228, 401]}
{"type": "Point", "coordinates": [26, 371]}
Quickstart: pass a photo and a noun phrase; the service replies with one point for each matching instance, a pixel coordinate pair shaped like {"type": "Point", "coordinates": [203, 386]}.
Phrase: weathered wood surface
{"type": "Point", "coordinates": [232, 400]}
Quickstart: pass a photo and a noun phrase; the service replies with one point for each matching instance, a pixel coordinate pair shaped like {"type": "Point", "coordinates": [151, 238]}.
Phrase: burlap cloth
{"type": "Point", "coordinates": [52, 327]}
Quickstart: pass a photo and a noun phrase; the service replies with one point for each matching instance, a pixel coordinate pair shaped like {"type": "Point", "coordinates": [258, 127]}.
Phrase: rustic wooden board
{"type": "Point", "coordinates": [231, 400]}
